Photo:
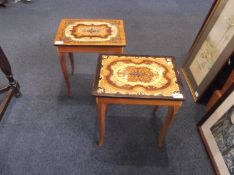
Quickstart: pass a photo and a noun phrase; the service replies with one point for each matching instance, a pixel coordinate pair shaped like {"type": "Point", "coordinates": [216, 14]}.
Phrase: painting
{"type": "Point", "coordinates": [217, 132]}
{"type": "Point", "coordinates": [223, 132]}
{"type": "Point", "coordinates": [211, 49]}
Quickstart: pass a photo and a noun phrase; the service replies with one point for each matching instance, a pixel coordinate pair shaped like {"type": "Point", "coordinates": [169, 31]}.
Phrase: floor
{"type": "Point", "coordinates": [46, 132]}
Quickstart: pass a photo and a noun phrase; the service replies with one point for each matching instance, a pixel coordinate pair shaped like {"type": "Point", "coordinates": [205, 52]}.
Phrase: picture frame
{"type": "Point", "coordinates": [217, 132]}
{"type": "Point", "coordinates": [211, 48]}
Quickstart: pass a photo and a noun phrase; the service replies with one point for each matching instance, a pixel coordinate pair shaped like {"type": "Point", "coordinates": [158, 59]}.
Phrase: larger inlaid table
{"type": "Point", "coordinates": [138, 80]}
{"type": "Point", "coordinates": [87, 35]}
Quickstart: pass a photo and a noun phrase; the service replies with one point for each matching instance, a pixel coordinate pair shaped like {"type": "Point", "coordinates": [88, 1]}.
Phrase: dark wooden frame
{"type": "Point", "coordinates": [205, 118]}
{"type": "Point", "coordinates": [198, 90]}
{"type": "Point", "coordinates": [12, 88]}
{"type": "Point", "coordinates": [3, 3]}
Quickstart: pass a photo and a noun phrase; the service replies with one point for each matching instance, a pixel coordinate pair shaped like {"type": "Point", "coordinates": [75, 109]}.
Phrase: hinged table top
{"type": "Point", "coordinates": [137, 77]}
{"type": "Point", "coordinates": [90, 32]}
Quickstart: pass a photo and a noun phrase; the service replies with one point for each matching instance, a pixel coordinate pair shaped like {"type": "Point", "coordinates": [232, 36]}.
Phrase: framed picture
{"type": "Point", "coordinates": [211, 49]}
{"type": "Point", "coordinates": [217, 133]}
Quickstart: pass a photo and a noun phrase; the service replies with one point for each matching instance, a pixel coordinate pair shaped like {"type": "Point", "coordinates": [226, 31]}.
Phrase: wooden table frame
{"type": "Point", "coordinates": [66, 45]}
{"type": "Point", "coordinates": [63, 50]}
{"type": "Point", "coordinates": [103, 102]}
{"type": "Point", "coordinates": [105, 96]}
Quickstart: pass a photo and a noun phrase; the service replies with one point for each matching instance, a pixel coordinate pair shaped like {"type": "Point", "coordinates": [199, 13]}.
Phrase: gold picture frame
{"type": "Point", "coordinates": [211, 48]}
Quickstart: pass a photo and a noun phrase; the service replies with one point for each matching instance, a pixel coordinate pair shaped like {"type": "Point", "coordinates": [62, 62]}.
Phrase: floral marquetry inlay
{"type": "Point", "coordinates": [137, 75]}
{"type": "Point", "coordinates": [91, 32]}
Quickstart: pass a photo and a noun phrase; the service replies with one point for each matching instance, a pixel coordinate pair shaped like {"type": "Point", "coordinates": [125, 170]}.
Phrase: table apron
{"type": "Point", "coordinates": [123, 101]}
{"type": "Point", "coordinates": [91, 49]}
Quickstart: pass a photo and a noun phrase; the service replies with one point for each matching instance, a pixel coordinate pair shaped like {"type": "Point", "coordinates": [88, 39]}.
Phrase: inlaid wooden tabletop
{"type": "Point", "coordinates": [90, 32]}
{"type": "Point", "coordinates": [138, 77]}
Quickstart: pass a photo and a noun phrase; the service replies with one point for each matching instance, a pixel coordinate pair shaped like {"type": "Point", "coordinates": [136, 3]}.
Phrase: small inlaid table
{"type": "Point", "coordinates": [88, 35]}
{"type": "Point", "coordinates": [137, 80]}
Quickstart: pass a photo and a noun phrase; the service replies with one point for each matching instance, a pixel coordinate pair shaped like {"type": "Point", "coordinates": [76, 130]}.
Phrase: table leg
{"type": "Point", "coordinates": [62, 56]}
{"type": "Point", "coordinates": [102, 108]}
{"type": "Point", "coordinates": [155, 109]}
{"type": "Point", "coordinates": [6, 69]}
{"type": "Point", "coordinates": [122, 50]}
{"type": "Point", "coordinates": [172, 110]}
{"type": "Point", "coordinates": [71, 57]}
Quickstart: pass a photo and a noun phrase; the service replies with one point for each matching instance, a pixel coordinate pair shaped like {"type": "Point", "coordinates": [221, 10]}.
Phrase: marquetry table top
{"type": "Point", "coordinates": [137, 77]}
{"type": "Point", "coordinates": [90, 32]}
